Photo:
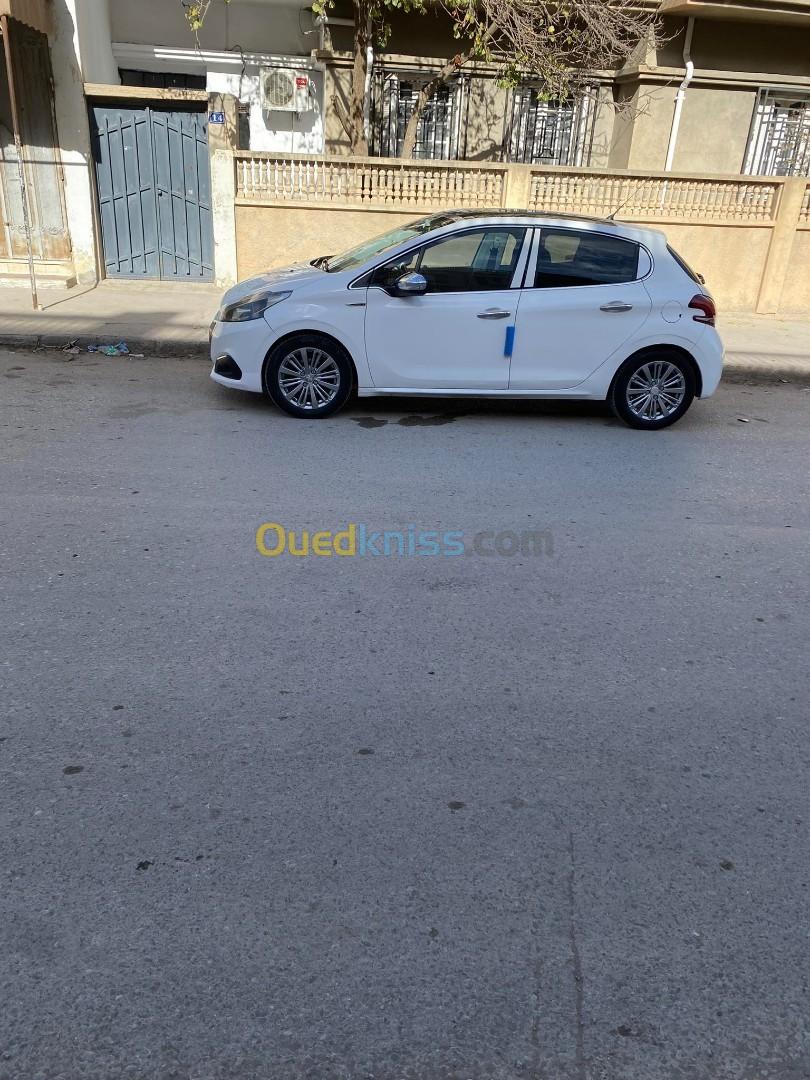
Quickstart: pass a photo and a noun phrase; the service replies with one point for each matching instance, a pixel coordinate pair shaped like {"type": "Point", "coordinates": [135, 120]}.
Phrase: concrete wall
{"type": "Point", "coordinates": [707, 112]}
{"type": "Point", "coordinates": [796, 290]}
{"type": "Point", "coordinates": [751, 260]}
{"type": "Point", "coordinates": [486, 113]}
{"type": "Point", "coordinates": [274, 27]}
{"type": "Point", "coordinates": [93, 40]}
{"type": "Point", "coordinates": [641, 128]}
{"type": "Point", "coordinates": [279, 132]}
{"type": "Point", "coordinates": [732, 259]}
{"type": "Point", "coordinates": [268, 236]}
{"type": "Point", "coordinates": [74, 133]}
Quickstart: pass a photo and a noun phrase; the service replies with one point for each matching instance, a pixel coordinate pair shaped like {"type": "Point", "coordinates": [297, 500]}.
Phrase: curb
{"type": "Point", "coordinates": [739, 365]}
{"type": "Point", "coordinates": [750, 365]}
{"type": "Point", "coordinates": [188, 347]}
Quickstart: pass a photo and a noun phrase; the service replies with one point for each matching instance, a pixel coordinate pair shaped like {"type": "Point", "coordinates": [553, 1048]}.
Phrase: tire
{"type": "Point", "coordinates": [309, 376]}
{"type": "Point", "coordinates": [653, 390]}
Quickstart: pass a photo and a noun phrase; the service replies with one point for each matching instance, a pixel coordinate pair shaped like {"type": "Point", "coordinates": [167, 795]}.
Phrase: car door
{"type": "Point", "coordinates": [453, 337]}
{"type": "Point", "coordinates": [584, 298]}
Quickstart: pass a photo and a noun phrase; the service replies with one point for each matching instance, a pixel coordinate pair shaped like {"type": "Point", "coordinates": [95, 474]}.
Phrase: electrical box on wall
{"type": "Point", "coordinates": [285, 90]}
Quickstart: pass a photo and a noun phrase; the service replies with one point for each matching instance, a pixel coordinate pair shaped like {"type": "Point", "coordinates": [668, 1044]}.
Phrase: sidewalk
{"type": "Point", "coordinates": [155, 317]}
{"type": "Point", "coordinates": [159, 318]}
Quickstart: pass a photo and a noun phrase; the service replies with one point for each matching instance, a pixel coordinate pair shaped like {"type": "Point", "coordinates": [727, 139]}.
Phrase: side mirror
{"type": "Point", "coordinates": [410, 284]}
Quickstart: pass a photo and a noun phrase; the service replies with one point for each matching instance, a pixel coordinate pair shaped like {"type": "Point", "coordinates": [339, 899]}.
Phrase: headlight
{"type": "Point", "coordinates": [252, 306]}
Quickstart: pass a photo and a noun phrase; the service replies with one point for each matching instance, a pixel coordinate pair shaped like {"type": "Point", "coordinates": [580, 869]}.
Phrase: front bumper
{"type": "Point", "coordinates": [239, 347]}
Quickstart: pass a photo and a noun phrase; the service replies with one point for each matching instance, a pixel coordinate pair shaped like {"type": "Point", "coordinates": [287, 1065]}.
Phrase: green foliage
{"type": "Point", "coordinates": [195, 12]}
{"type": "Point", "coordinates": [374, 13]}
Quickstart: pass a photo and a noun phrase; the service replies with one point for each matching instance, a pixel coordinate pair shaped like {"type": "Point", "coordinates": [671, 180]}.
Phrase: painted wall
{"type": "Point", "coordinates": [796, 292]}
{"type": "Point", "coordinates": [732, 258]}
{"type": "Point", "coordinates": [708, 111]}
{"type": "Point", "coordinates": [93, 38]}
{"type": "Point", "coordinates": [271, 26]}
{"type": "Point", "coordinates": [641, 127]}
{"type": "Point", "coordinates": [268, 236]}
{"type": "Point", "coordinates": [291, 133]}
{"type": "Point", "coordinates": [74, 134]}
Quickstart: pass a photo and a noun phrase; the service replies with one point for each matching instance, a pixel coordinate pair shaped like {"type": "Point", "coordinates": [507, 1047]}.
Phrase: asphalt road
{"type": "Point", "coordinates": [405, 818]}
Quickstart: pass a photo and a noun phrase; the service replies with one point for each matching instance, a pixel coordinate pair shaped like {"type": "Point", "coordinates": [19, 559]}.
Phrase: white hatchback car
{"type": "Point", "coordinates": [476, 303]}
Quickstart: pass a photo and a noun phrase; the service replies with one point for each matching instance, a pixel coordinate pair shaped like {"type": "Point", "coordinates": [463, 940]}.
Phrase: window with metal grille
{"type": "Point", "coordinates": [543, 132]}
{"type": "Point", "coordinates": [441, 130]}
{"type": "Point", "coordinates": [779, 141]}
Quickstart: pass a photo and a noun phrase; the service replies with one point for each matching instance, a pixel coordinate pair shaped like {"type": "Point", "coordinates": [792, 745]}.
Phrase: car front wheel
{"type": "Point", "coordinates": [308, 376]}
{"type": "Point", "coordinates": [653, 391]}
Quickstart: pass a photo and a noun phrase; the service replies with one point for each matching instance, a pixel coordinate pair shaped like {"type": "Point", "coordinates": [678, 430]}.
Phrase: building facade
{"type": "Point", "coordinates": [135, 100]}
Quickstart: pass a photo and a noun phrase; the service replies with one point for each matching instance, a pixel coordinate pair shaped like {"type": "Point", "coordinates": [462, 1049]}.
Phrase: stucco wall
{"type": "Point", "coordinates": [485, 119]}
{"type": "Point", "coordinates": [280, 132]}
{"type": "Point", "coordinates": [74, 135]}
{"type": "Point", "coordinates": [714, 130]}
{"type": "Point", "coordinates": [642, 125]}
{"type": "Point", "coordinates": [731, 258]}
{"type": "Point", "coordinates": [796, 290]}
{"type": "Point", "coordinates": [256, 27]}
{"type": "Point", "coordinates": [268, 236]}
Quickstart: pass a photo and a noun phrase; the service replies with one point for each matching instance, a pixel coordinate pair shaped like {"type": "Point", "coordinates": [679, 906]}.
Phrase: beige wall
{"type": "Point", "coordinates": [486, 120]}
{"type": "Point", "coordinates": [731, 258]}
{"type": "Point", "coordinates": [268, 236]}
{"type": "Point", "coordinates": [796, 290]}
{"type": "Point", "coordinates": [714, 130]}
{"type": "Point", "coordinates": [256, 26]}
{"type": "Point", "coordinates": [641, 128]}
{"type": "Point", "coordinates": [337, 85]}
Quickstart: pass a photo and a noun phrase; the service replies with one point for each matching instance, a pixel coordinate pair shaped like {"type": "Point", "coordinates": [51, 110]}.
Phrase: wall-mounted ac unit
{"type": "Point", "coordinates": [284, 90]}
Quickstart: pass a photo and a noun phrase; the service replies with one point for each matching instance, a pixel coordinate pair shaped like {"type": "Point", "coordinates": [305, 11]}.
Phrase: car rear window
{"type": "Point", "coordinates": [569, 257]}
{"type": "Point", "coordinates": [684, 265]}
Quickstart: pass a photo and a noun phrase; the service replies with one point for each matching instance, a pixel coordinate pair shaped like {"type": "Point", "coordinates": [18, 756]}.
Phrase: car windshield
{"type": "Point", "coordinates": [356, 256]}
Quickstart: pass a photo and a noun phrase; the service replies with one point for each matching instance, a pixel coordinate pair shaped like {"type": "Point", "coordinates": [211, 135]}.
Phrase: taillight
{"type": "Point", "coordinates": [704, 304]}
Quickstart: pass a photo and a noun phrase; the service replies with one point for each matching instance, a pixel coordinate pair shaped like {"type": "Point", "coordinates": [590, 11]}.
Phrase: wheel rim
{"type": "Point", "coordinates": [656, 390]}
{"type": "Point", "coordinates": [309, 378]}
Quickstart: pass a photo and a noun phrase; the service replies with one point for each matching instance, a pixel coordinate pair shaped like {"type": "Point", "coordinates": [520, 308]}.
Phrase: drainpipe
{"type": "Point", "coordinates": [689, 71]}
{"type": "Point", "coordinates": [367, 93]}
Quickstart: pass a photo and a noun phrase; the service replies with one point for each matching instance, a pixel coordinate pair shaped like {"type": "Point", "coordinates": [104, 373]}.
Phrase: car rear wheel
{"type": "Point", "coordinates": [652, 391]}
{"type": "Point", "coordinates": [308, 376]}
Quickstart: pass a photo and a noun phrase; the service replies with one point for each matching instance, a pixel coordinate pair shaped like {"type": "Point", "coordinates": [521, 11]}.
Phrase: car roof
{"type": "Point", "coordinates": [451, 217]}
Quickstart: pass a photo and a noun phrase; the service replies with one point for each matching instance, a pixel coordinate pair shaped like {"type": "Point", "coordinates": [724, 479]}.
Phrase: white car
{"type": "Point", "coordinates": [479, 304]}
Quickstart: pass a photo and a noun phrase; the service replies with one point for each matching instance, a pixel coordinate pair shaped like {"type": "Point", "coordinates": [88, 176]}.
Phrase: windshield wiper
{"type": "Point", "coordinates": [321, 263]}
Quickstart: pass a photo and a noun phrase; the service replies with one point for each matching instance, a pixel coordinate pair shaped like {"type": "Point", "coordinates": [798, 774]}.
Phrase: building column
{"type": "Point", "coordinates": [777, 261]}
{"type": "Point", "coordinates": [223, 141]}
{"type": "Point", "coordinates": [79, 28]}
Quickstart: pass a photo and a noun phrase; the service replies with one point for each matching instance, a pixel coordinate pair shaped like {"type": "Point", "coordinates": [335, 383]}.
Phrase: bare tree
{"type": "Point", "coordinates": [556, 45]}
{"type": "Point", "coordinates": [371, 27]}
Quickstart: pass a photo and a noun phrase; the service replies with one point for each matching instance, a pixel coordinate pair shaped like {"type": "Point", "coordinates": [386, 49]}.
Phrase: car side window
{"type": "Point", "coordinates": [480, 260]}
{"type": "Point", "coordinates": [388, 273]}
{"type": "Point", "coordinates": [567, 257]}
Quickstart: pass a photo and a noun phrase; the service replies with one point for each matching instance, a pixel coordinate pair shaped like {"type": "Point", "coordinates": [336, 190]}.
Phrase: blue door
{"type": "Point", "coordinates": [154, 193]}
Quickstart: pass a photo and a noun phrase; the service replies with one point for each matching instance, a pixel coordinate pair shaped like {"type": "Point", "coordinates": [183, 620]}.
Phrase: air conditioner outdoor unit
{"type": "Point", "coordinates": [285, 90]}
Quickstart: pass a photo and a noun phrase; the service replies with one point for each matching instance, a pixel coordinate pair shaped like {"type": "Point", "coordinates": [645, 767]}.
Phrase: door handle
{"type": "Point", "coordinates": [616, 305]}
{"type": "Point", "coordinates": [494, 313]}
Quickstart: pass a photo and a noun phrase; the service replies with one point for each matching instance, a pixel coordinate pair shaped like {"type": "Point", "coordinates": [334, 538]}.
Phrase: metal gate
{"type": "Point", "coordinates": [154, 193]}
{"type": "Point", "coordinates": [41, 168]}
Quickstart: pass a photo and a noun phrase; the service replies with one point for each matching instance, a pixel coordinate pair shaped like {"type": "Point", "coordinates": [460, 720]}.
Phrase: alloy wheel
{"type": "Point", "coordinates": [656, 390]}
{"type": "Point", "coordinates": [309, 378]}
